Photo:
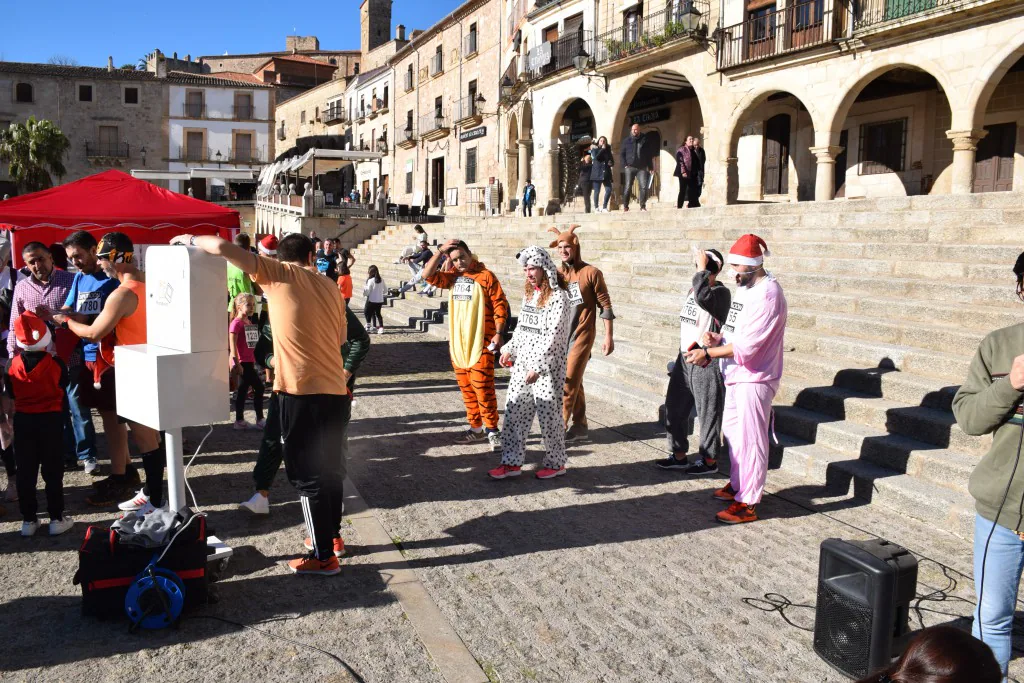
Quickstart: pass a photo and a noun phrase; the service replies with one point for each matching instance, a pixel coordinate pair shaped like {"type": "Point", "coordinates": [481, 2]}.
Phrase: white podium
{"type": "Point", "coordinates": [180, 378]}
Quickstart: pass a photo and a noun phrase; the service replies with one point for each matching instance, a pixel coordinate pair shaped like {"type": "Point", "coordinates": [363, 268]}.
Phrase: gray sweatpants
{"type": "Point", "coordinates": [690, 386]}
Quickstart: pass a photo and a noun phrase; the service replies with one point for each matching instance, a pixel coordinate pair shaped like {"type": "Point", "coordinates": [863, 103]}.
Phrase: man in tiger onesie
{"type": "Point", "coordinates": [587, 296]}
{"type": "Point", "coordinates": [477, 314]}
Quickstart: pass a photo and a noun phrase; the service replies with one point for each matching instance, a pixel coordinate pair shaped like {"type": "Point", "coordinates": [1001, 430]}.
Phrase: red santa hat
{"type": "Point", "coordinates": [749, 250]}
{"type": "Point", "coordinates": [268, 246]}
{"type": "Point", "coordinates": [30, 332]}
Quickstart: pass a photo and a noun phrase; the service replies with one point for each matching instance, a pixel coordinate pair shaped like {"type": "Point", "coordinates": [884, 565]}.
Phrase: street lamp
{"type": "Point", "coordinates": [581, 60]}
{"type": "Point", "coordinates": [689, 17]}
{"type": "Point", "coordinates": [382, 144]}
{"type": "Point", "coordinates": [218, 156]}
{"type": "Point", "coordinates": [507, 86]}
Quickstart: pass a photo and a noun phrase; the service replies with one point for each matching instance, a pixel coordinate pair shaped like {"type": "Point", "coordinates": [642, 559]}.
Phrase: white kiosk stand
{"type": "Point", "coordinates": [180, 378]}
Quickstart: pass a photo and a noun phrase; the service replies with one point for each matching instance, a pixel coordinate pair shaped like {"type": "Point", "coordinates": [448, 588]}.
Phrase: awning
{"type": "Point", "coordinates": [222, 173]}
{"type": "Point", "coordinates": [319, 160]}
{"type": "Point", "coordinates": [159, 175]}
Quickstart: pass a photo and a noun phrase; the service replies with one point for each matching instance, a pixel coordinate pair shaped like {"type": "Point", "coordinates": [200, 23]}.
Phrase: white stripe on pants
{"type": "Point", "coordinates": [748, 409]}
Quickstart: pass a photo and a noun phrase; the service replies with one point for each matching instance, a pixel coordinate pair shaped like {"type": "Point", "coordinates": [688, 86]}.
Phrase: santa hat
{"type": "Point", "coordinates": [268, 246]}
{"type": "Point", "coordinates": [539, 258]}
{"type": "Point", "coordinates": [749, 250]}
{"type": "Point", "coordinates": [31, 332]}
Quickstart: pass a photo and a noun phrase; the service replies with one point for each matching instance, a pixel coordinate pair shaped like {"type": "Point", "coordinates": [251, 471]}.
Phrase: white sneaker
{"type": "Point", "coordinates": [90, 466]}
{"type": "Point", "coordinates": [29, 528]}
{"type": "Point", "coordinates": [257, 505]}
{"type": "Point", "coordinates": [380, 330]}
{"type": "Point", "coordinates": [240, 425]}
{"type": "Point", "coordinates": [135, 502]}
{"type": "Point", "coordinates": [494, 438]}
{"type": "Point", "coordinates": [11, 495]}
{"type": "Point", "coordinates": [59, 526]}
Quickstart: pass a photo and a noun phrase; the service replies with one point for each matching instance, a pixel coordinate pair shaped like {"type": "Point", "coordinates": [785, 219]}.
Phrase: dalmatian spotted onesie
{"type": "Point", "coordinates": [539, 343]}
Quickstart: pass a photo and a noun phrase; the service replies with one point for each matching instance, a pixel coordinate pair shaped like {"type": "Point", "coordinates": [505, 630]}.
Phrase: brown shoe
{"type": "Point", "coordinates": [726, 493]}
{"type": "Point", "coordinates": [737, 513]}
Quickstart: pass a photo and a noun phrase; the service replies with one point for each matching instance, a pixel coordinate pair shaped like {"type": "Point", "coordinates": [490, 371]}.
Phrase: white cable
{"type": "Point", "coordinates": [184, 474]}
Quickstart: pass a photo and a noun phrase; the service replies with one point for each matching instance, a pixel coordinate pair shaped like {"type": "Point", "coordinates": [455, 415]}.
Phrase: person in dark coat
{"type": "Point", "coordinates": [601, 173]}
{"type": "Point", "coordinates": [689, 171]}
{"type": "Point", "coordinates": [703, 164]}
{"type": "Point", "coordinates": [583, 183]}
{"type": "Point", "coordinates": [638, 160]}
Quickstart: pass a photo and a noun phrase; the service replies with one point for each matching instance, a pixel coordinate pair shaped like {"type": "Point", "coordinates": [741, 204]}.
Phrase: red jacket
{"type": "Point", "coordinates": [37, 390]}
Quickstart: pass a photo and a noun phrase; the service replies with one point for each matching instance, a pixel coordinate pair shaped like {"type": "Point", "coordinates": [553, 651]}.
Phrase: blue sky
{"type": "Point", "coordinates": [35, 31]}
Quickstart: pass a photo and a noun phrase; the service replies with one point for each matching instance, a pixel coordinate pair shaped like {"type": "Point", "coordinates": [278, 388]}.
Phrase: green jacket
{"type": "Point", "coordinates": [353, 351]}
{"type": "Point", "coordinates": [988, 404]}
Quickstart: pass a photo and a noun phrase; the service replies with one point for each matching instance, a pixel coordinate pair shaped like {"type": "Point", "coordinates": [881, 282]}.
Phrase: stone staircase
{"type": "Point", "coordinates": [888, 300]}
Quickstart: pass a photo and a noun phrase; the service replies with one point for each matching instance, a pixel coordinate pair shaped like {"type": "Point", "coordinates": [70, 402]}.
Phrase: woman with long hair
{"type": "Point", "coordinates": [942, 654]}
{"type": "Point", "coordinates": [601, 173]}
{"type": "Point", "coordinates": [537, 355]}
{"type": "Point", "coordinates": [242, 338]}
{"type": "Point", "coordinates": [374, 290]}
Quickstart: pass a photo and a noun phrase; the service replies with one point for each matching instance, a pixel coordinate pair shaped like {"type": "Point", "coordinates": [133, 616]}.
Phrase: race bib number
{"type": "Point", "coordinates": [575, 297]}
{"type": "Point", "coordinates": [734, 313]}
{"type": "Point", "coordinates": [531, 320]}
{"type": "Point", "coordinates": [252, 335]}
{"type": "Point", "coordinates": [688, 316]}
{"type": "Point", "coordinates": [462, 290]}
{"type": "Point", "coordinates": [89, 303]}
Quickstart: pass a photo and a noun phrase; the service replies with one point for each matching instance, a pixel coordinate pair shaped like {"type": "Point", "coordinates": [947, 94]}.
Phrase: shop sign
{"type": "Point", "coordinates": [472, 133]}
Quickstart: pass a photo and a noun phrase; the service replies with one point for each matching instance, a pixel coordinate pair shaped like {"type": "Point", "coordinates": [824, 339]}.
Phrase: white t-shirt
{"type": "Point", "coordinates": [694, 321]}
{"type": "Point", "coordinates": [374, 291]}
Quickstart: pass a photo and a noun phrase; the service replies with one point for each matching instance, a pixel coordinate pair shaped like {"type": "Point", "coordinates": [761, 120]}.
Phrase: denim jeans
{"type": "Point", "coordinates": [643, 176]}
{"type": "Point", "coordinates": [993, 618]}
{"type": "Point", "coordinates": [597, 194]}
{"type": "Point", "coordinates": [81, 422]}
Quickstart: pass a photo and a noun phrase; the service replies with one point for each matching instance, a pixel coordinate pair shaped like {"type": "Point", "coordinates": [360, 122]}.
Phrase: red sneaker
{"type": "Point", "coordinates": [549, 473]}
{"type": "Point", "coordinates": [737, 513]}
{"type": "Point", "coordinates": [339, 546]}
{"type": "Point", "coordinates": [311, 565]}
{"type": "Point", "coordinates": [727, 493]}
{"type": "Point", "coordinates": [505, 471]}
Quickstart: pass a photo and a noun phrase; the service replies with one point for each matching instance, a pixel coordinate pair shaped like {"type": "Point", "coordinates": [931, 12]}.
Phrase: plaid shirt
{"type": "Point", "coordinates": [29, 294]}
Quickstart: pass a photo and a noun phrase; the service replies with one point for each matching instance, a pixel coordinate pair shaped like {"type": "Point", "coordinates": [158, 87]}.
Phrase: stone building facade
{"type": "Point", "coordinates": [112, 117]}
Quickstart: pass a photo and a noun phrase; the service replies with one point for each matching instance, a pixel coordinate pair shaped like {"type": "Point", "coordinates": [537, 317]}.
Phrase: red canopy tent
{"type": "Point", "coordinates": [111, 201]}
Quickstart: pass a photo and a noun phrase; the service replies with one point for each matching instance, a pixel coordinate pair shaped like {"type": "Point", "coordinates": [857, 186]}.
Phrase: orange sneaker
{"type": "Point", "coordinates": [310, 565]}
{"type": "Point", "coordinates": [505, 471]}
{"type": "Point", "coordinates": [339, 546]}
{"type": "Point", "coordinates": [727, 493]}
{"type": "Point", "coordinates": [737, 513]}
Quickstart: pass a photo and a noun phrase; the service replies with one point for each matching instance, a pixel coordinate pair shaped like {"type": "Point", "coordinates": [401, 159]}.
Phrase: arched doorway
{"type": "Point", "coordinates": [575, 129]}
{"type": "Point", "coordinates": [999, 159]}
{"type": "Point", "coordinates": [891, 129]}
{"type": "Point", "coordinates": [512, 162]}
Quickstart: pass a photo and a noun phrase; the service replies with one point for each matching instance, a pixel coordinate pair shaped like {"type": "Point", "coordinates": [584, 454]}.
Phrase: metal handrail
{"type": "Point", "coordinates": [808, 24]}
{"type": "Point", "coordinates": [466, 107]}
{"type": "Point", "coordinates": [870, 13]}
{"type": "Point", "coordinates": [432, 122]}
{"type": "Point", "coordinates": [653, 31]}
{"type": "Point", "coordinates": [562, 52]}
{"type": "Point", "coordinates": [117, 150]}
{"type": "Point", "coordinates": [469, 46]}
{"type": "Point", "coordinates": [192, 110]}
{"type": "Point", "coordinates": [243, 112]}
{"type": "Point", "coordinates": [437, 64]}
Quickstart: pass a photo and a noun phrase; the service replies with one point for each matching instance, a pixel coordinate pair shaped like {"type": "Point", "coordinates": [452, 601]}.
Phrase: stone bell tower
{"type": "Point", "coordinates": [374, 24]}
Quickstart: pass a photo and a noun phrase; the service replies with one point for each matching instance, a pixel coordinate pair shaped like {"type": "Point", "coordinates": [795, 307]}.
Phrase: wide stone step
{"type": "Point", "coordinates": [944, 338]}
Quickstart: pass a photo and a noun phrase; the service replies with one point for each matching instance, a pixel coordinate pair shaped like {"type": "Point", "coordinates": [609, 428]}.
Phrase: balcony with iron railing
{"type": "Point", "coordinates": [409, 83]}
{"type": "Point", "coordinates": [434, 126]}
{"type": "Point", "coordinates": [248, 155]}
{"type": "Point", "coordinates": [520, 8]}
{"type": "Point", "coordinates": [469, 47]}
{"type": "Point", "coordinates": [553, 57]}
{"type": "Point", "coordinates": [194, 153]}
{"type": "Point", "coordinates": [112, 150]}
{"type": "Point", "coordinates": [378, 106]}
{"type": "Point", "coordinates": [437, 64]}
{"type": "Point", "coordinates": [467, 113]}
{"type": "Point", "coordinates": [193, 110]}
{"type": "Point", "coordinates": [406, 138]}
{"type": "Point", "coordinates": [334, 113]}
{"type": "Point", "coordinates": [802, 26]}
{"type": "Point", "coordinates": [883, 14]}
{"type": "Point", "coordinates": [282, 134]}
{"type": "Point", "coordinates": [243, 112]}
{"type": "Point", "coordinates": [687, 23]}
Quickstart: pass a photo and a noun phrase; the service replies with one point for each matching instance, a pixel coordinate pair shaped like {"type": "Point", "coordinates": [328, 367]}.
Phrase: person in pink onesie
{"type": "Point", "coordinates": [750, 346]}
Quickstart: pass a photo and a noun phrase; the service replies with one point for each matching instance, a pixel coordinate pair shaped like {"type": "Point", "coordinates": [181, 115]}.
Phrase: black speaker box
{"type": "Point", "coordinates": [864, 592]}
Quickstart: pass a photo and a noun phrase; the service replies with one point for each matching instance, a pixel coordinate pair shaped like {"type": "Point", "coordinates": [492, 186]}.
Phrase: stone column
{"type": "Point", "coordinates": [732, 180]}
{"type": "Point", "coordinates": [525, 147]}
{"type": "Point", "coordinates": [551, 200]}
{"type": "Point", "coordinates": [825, 178]}
{"type": "Point", "coordinates": [965, 144]}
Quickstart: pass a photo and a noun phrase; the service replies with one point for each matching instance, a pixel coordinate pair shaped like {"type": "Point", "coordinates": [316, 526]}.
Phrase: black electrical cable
{"type": "Point", "coordinates": [333, 656]}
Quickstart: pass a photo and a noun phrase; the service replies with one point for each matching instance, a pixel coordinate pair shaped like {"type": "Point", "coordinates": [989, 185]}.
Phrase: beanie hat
{"type": "Point", "coordinates": [268, 246]}
{"type": "Point", "coordinates": [30, 332]}
{"type": "Point", "coordinates": [537, 257]}
{"type": "Point", "coordinates": [116, 247]}
{"type": "Point", "coordinates": [568, 236]}
{"type": "Point", "coordinates": [749, 250]}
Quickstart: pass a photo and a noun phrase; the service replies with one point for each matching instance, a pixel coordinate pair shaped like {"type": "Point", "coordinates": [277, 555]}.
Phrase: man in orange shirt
{"type": "Point", "coordinates": [477, 314]}
{"type": "Point", "coordinates": [308, 319]}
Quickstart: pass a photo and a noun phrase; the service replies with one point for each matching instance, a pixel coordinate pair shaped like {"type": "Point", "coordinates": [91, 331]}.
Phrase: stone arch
{"type": "Point", "coordinates": [512, 156]}
{"type": "Point", "coordinates": [754, 99]}
{"type": "Point", "coordinates": [562, 158]}
{"type": "Point", "coordinates": [985, 82]}
{"type": "Point", "coordinates": [865, 75]}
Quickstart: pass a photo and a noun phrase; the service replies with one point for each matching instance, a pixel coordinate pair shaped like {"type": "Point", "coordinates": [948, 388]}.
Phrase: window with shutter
{"type": "Point", "coordinates": [883, 147]}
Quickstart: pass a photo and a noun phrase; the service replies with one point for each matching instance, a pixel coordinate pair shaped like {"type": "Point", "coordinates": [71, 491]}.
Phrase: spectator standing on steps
{"type": "Point", "coordinates": [700, 384]}
{"type": "Point", "coordinates": [637, 159]}
{"type": "Point", "coordinates": [601, 173]}
{"type": "Point", "coordinates": [991, 401]}
{"type": "Point", "coordinates": [373, 291]}
{"type": "Point", "coordinates": [584, 185]}
{"type": "Point", "coordinates": [689, 171]}
{"type": "Point", "coordinates": [703, 165]}
{"type": "Point", "coordinates": [529, 198]}
{"type": "Point", "coordinates": [751, 342]}
{"type": "Point", "coordinates": [308, 321]}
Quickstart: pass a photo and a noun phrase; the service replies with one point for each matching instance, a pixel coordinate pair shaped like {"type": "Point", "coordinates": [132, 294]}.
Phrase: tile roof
{"type": "Point", "coordinates": [304, 58]}
{"type": "Point", "coordinates": [225, 78]}
{"type": "Point", "coordinates": [90, 72]}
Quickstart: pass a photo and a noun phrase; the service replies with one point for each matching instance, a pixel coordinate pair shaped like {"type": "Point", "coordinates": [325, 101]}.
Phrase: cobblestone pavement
{"type": "Point", "coordinates": [615, 572]}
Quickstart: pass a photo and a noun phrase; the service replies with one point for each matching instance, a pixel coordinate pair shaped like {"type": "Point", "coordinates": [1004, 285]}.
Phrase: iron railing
{"type": "Point", "coordinates": [117, 150]}
{"type": "Point", "coordinates": [469, 44]}
{"type": "Point", "coordinates": [437, 64]}
{"type": "Point", "coordinates": [281, 133]}
{"type": "Point", "coordinates": [432, 122]}
{"type": "Point", "coordinates": [193, 110]}
{"type": "Point", "coordinates": [190, 153]}
{"type": "Point", "coordinates": [466, 107]}
{"type": "Point", "coordinates": [377, 104]}
{"type": "Point", "coordinates": [248, 155]}
{"type": "Point", "coordinates": [798, 27]}
{"type": "Point", "coordinates": [869, 13]}
{"type": "Point", "coordinates": [550, 58]}
{"type": "Point", "coordinates": [335, 112]}
{"type": "Point", "coordinates": [408, 135]}
{"type": "Point", "coordinates": [688, 20]}
{"type": "Point", "coordinates": [243, 112]}
{"type": "Point", "coordinates": [408, 81]}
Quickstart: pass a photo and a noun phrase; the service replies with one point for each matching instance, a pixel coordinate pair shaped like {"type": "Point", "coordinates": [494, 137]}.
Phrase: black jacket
{"type": "Point", "coordinates": [637, 152]}
{"type": "Point", "coordinates": [601, 169]}
{"type": "Point", "coordinates": [715, 299]}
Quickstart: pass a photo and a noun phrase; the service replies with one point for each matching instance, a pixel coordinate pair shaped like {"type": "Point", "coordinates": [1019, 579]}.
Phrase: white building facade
{"type": "Point", "coordinates": [369, 98]}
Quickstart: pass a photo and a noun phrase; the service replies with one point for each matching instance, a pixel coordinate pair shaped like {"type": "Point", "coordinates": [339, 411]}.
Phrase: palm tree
{"type": "Point", "coordinates": [32, 150]}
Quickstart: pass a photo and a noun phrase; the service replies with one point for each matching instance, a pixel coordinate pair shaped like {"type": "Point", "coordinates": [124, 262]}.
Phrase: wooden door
{"type": "Point", "coordinates": [775, 176]}
{"type": "Point", "coordinates": [437, 182]}
{"type": "Point", "coordinates": [198, 186]}
{"type": "Point", "coordinates": [993, 162]}
{"type": "Point", "coordinates": [806, 22]}
{"type": "Point", "coordinates": [841, 161]}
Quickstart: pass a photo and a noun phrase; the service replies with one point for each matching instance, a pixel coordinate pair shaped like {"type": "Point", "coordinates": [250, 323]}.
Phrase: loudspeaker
{"type": "Point", "coordinates": [864, 592]}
